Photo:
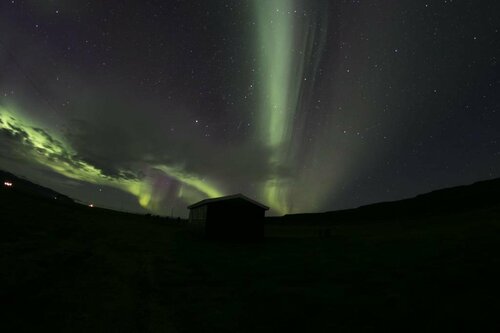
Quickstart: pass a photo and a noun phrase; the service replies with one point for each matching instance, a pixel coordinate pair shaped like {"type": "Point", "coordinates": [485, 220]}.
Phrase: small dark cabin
{"type": "Point", "coordinates": [231, 217]}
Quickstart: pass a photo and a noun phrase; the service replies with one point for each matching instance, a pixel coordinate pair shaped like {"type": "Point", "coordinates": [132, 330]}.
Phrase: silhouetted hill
{"type": "Point", "coordinates": [450, 201]}
{"type": "Point", "coordinates": [21, 185]}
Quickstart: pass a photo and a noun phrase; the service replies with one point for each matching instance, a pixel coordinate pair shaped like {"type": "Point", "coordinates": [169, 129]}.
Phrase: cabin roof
{"type": "Point", "coordinates": [228, 197]}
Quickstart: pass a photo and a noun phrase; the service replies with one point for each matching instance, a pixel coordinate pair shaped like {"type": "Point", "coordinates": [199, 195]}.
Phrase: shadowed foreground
{"type": "Point", "coordinates": [77, 269]}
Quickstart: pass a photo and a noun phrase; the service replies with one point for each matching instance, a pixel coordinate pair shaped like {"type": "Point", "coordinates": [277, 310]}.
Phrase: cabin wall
{"type": "Point", "coordinates": [237, 219]}
{"type": "Point", "coordinates": [198, 217]}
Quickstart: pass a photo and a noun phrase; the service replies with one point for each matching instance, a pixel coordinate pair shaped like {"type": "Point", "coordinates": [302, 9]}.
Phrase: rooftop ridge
{"type": "Point", "coordinates": [228, 197]}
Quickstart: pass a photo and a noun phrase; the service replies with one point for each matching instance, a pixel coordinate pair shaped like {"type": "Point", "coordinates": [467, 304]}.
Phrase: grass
{"type": "Point", "coordinates": [72, 269]}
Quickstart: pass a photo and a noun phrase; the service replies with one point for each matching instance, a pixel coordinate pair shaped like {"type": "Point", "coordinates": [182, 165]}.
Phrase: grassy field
{"type": "Point", "coordinates": [66, 269]}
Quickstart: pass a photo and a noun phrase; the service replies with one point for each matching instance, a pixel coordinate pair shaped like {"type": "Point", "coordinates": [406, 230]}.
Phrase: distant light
{"type": "Point", "coordinates": [8, 184]}
{"type": "Point", "coordinates": [91, 205]}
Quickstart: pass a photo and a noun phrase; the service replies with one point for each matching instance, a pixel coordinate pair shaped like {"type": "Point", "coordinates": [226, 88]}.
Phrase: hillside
{"type": "Point", "coordinates": [480, 196]}
{"type": "Point", "coordinates": [29, 188]}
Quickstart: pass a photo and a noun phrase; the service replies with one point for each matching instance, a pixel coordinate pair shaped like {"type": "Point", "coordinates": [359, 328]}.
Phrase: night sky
{"type": "Point", "coordinates": [303, 105]}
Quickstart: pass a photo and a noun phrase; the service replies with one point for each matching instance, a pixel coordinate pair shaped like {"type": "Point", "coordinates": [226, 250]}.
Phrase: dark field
{"type": "Point", "coordinates": [76, 269]}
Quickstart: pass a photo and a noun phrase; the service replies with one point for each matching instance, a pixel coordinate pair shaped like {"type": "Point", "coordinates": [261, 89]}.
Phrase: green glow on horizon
{"type": "Point", "coordinates": [50, 150]}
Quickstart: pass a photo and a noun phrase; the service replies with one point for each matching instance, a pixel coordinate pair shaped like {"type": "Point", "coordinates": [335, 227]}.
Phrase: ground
{"type": "Point", "coordinates": [67, 269]}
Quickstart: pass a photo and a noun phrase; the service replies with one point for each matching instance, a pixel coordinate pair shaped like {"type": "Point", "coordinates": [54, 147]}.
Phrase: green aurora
{"type": "Point", "coordinates": [285, 43]}
{"type": "Point", "coordinates": [50, 150]}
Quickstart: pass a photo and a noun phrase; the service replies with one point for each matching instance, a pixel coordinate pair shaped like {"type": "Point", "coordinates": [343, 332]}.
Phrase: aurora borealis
{"type": "Point", "coordinates": [284, 51]}
{"type": "Point", "coordinates": [41, 147]}
{"type": "Point", "coordinates": [304, 105]}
